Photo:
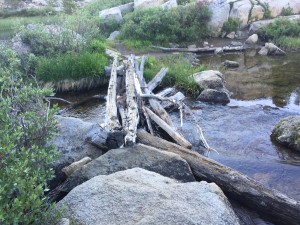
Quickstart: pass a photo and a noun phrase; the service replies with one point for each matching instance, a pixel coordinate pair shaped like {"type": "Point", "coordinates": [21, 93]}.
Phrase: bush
{"type": "Point", "coordinates": [182, 24]}
{"type": "Point", "coordinates": [51, 39]}
{"type": "Point", "coordinates": [283, 32]}
{"type": "Point", "coordinates": [179, 74]}
{"type": "Point", "coordinates": [71, 66]}
{"type": "Point", "coordinates": [287, 11]}
{"type": "Point", "coordinates": [232, 24]}
{"type": "Point", "coordinates": [27, 12]}
{"type": "Point", "coordinates": [26, 124]}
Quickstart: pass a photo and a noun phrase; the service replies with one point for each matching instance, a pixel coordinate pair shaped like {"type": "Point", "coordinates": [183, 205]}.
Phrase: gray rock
{"type": "Point", "coordinates": [271, 49]}
{"type": "Point", "coordinates": [113, 36]}
{"type": "Point", "coordinates": [231, 35]}
{"type": "Point", "coordinates": [215, 96]}
{"type": "Point", "coordinates": [252, 39]}
{"type": "Point", "coordinates": [257, 13]}
{"type": "Point", "coordinates": [126, 8]}
{"type": "Point", "coordinates": [205, 43]}
{"type": "Point", "coordinates": [231, 64]}
{"type": "Point", "coordinates": [287, 132]}
{"type": "Point", "coordinates": [63, 221]}
{"type": "Point", "coordinates": [236, 43]}
{"type": "Point", "coordinates": [220, 13]}
{"type": "Point", "coordinates": [71, 143]}
{"type": "Point", "coordinates": [263, 51]}
{"type": "Point", "coordinates": [210, 79]}
{"type": "Point", "coordinates": [144, 4]}
{"type": "Point", "coordinates": [137, 196]}
{"type": "Point", "coordinates": [152, 159]}
{"type": "Point", "coordinates": [169, 5]}
{"type": "Point", "coordinates": [218, 51]}
{"type": "Point", "coordinates": [241, 10]}
{"type": "Point", "coordinates": [275, 7]}
{"type": "Point", "coordinates": [111, 14]}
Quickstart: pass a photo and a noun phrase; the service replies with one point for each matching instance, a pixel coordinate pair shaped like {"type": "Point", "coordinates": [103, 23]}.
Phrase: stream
{"type": "Point", "coordinates": [263, 91]}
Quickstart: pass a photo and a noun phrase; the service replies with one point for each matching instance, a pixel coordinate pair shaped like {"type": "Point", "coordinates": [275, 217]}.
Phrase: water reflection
{"type": "Point", "coordinates": [260, 78]}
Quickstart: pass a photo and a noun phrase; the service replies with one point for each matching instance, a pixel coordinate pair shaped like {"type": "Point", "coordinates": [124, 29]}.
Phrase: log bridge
{"type": "Point", "coordinates": [135, 114]}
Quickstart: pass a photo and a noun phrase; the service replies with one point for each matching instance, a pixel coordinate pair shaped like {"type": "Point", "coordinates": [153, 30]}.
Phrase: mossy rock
{"type": "Point", "coordinates": [287, 132]}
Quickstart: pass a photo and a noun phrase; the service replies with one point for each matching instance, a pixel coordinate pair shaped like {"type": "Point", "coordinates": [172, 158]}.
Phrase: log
{"type": "Point", "coordinates": [175, 135]}
{"type": "Point", "coordinates": [132, 113]}
{"type": "Point", "coordinates": [166, 92]}
{"type": "Point", "coordinates": [200, 50]}
{"type": "Point", "coordinates": [277, 207]}
{"type": "Point", "coordinates": [157, 79]}
{"type": "Point", "coordinates": [111, 117]}
{"type": "Point", "coordinates": [68, 170]}
{"type": "Point", "coordinates": [177, 97]}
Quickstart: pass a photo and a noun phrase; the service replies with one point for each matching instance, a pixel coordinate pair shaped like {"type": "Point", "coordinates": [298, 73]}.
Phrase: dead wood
{"type": "Point", "coordinates": [200, 50]}
{"type": "Point", "coordinates": [157, 79]}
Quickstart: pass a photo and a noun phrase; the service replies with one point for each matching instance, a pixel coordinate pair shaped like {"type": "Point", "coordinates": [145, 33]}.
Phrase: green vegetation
{"type": "Point", "coordinates": [182, 24]}
{"type": "Point", "coordinates": [28, 12]}
{"type": "Point", "coordinates": [179, 74]}
{"type": "Point", "coordinates": [26, 124]}
{"type": "Point", "coordinates": [287, 11]}
{"type": "Point", "coordinates": [232, 24]}
{"type": "Point", "coordinates": [71, 66]}
{"type": "Point", "coordinates": [267, 14]}
{"type": "Point", "coordinates": [283, 32]}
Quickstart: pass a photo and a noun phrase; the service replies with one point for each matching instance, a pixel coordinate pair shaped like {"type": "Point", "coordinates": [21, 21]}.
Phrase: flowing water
{"type": "Point", "coordinates": [263, 91]}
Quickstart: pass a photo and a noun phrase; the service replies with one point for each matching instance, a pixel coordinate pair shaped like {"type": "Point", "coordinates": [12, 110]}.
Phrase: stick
{"type": "Point", "coordinates": [157, 79]}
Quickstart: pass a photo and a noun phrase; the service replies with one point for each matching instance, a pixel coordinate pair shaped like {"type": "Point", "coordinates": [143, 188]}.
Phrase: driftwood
{"type": "Point", "coordinates": [157, 79]}
{"type": "Point", "coordinates": [111, 116]}
{"type": "Point", "coordinates": [277, 207]}
{"type": "Point", "coordinates": [166, 92]}
{"type": "Point", "coordinates": [176, 136]}
{"type": "Point", "coordinates": [132, 114]}
{"type": "Point", "coordinates": [68, 170]}
{"type": "Point", "coordinates": [201, 50]}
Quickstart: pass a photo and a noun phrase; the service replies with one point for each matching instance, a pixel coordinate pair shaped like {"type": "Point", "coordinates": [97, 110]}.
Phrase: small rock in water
{"type": "Point", "coordinates": [215, 96]}
{"type": "Point", "coordinates": [205, 43]}
{"type": "Point", "coordinates": [218, 51]}
{"type": "Point", "coordinates": [252, 39]}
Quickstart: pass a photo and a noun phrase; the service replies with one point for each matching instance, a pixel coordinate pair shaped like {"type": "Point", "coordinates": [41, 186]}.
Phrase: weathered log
{"type": "Point", "coordinates": [132, 113]}
{"type": "Point", "coordinates": [200, 50]}
{"type": "Point", "coordinates": [68, 170]}
{"type": "Point", "coordinates": [179, 96]}
{"type": "Point", "coordinates": [175, 135]}
{"type": "Point", "coordinates": [111, 117]}
{"type": "Point", "coordinates": [277, 207]}
{"type": "Point", "coordinates": [166, 92]}
{"type": "Point", "coordinates": [157, 79]}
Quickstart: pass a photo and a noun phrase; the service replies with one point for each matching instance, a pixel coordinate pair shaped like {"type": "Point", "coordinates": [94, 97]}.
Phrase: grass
{"type": "Point", "coordinates": [283, 32]}
{"type": "Point", "coordinates": [8, 26]}
{"type": "Point", "coordinates": [179, 74]}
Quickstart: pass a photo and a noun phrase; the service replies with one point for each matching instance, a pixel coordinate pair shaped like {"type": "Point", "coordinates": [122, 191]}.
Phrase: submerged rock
{"type": "Point", "coordinates": [231, 64]}
{"type": "Point", "coordinates": [287, 132]}
{"type": "Point", "coordinates": [152, 159]}
{"type": "Point", "coordinates": [137, 196]}
{"type": "Point", "coordinates": [215, 96]}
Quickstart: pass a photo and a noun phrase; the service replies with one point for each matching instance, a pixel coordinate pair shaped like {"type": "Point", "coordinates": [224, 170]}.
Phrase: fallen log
{"type": "Point", "coordinates": [132, 113]}
{"type": "Point", "coordinates": [157, 79]}
{"type": "Point", "coordinates": [166, 92]}
{"type": "Point", "coordinates": [277, 207]}
{"type": "Point", "coordinates": [200, 50]}
{"type": "Point", "coordinates": [175, 135]}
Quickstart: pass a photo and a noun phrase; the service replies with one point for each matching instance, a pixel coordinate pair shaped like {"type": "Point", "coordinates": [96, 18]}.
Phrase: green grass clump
{"type": "Point", "coordinates": [71, 66]}
{"type": "Point", "coordinates": [283, 32]}
{"type": "Point", "coordinates": [27, 12]}
{"type": "Point", "coordinates": [232, 24]}
{"type": "Point", "coordinates": [182, 24]}
{"type": "Point", "coordinates": [180, 73]}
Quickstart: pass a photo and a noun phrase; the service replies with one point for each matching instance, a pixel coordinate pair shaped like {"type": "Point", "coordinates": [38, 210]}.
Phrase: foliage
{"type": "Point", "coordinates": [232, 24]}
{"type": "Point", "coordinates": [50, 40]}
{"type": "Point", "coordinates": [137, 46]}
{"type": "Point", "coordinates": [71, 66]}
{"type": "Point", "coordinates": [283, 32]}
{"type": "Point", "coordinates": [267, 14]}
{"type": "Point", "coordinates": [27, 12]}
{"type": "Point", "coordinates": [287, 11]}
{"type": "Point", "coordinates": [182, 24]}
{"type": "Point", "coordinates": [26, 124]}
{"type": "Point", "coordinates": [179, 74]}
{"type": "Point", "coordinates": [69, 6]}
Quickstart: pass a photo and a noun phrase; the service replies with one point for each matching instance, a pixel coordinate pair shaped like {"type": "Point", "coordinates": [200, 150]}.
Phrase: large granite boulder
{"type": "Point", "coordinates": [144, 4]}
{"type": "Point", "coordinates": [113, 14]}
{"type": "Point", "coordinates": [149, 158]}
{"type": "Point", "coordinates": [72, 142]}
{"type": "Point", "coordinates": [220, 13]}
{"type": "Point", "coordinates": [287, 132]}
{"type": "Point", "coordinates": [138, 196]}
{"type": "Point", "coordinates": [241, 10]}
{"type": "Point", "coordinates": [212, 83]}
{"type": "Point", "coordinates": [257, 13]}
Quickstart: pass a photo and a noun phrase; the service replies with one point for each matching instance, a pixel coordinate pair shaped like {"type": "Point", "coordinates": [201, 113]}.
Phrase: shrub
{"type": "Point", "coordinates": [179, 74]}
{"type": "Point", "coordinates": [69, 6]}
{"type": "Point", "coordinates": [51, 39]}
{"type": "Point", "coordinates": [267, 14]}
{"type": "Point", "coordinates": [287, 11]}
{"type": "Point", "coordinates": [182, 24]}
{"type": "Point", "coordinates": [26, 124]}
{"type": "Point", "coordinates": [71, 66]}
{"type": "Point", "coordinates": [232, 24]}
{"type": "Point", "coordinates": [27, 12]}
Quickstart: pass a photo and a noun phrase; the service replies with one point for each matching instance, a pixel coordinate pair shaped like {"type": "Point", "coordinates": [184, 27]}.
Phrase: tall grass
{"type": "Point", "coordinates": [179, 74]}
